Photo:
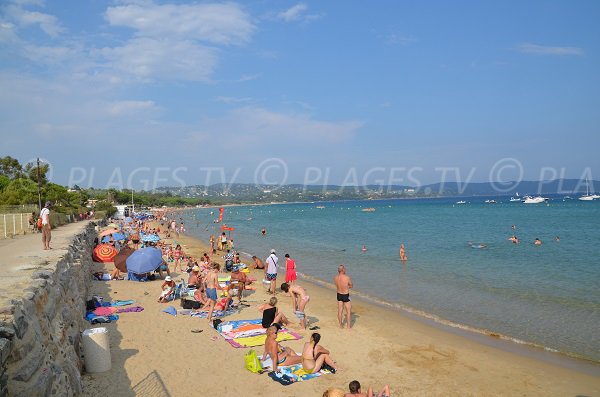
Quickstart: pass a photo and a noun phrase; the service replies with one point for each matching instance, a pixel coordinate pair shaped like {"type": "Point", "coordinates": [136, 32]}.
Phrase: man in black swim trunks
{"type": "Point", "coordinates": [343, 283]}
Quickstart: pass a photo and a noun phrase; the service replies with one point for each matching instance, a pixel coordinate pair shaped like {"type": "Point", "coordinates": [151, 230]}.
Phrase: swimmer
{"type": "Point", "coordinates": [403, 256]}
{"type": "Point", "coordinates": [557, 239]}
{"type": "Point", "coordinates": [537, 242]}
{"type": "Point", "coordinates": [264, 231]}
{"type": "Point", "coordinates": [364, 248]}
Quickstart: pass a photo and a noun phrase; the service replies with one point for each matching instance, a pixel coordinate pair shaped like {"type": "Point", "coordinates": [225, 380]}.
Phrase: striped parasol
{"type": "Point", "coordinates": [104, 253]}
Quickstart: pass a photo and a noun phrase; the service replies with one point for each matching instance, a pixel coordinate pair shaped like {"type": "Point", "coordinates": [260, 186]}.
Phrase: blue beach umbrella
{"type": "Point", "coordinates": [115, 236]}
{"type": "Point", "coordinates": [144, 260]}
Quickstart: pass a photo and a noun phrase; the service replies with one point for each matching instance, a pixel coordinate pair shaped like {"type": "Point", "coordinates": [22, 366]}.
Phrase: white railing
{"type": "Point", "coordinates": [13, 224]}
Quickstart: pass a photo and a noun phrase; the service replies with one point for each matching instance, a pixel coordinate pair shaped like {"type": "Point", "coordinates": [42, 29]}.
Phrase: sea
{"type": "Point", "coordinates": [461, 270]}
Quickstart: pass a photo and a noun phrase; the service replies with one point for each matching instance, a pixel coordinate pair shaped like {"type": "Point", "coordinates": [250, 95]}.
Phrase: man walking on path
{"type": "Point", "coordinates": [343, 283]}
{"type": "Point", "coordinates": [46, 227]}
{"type": "Point", "coordinates": [271, 271]}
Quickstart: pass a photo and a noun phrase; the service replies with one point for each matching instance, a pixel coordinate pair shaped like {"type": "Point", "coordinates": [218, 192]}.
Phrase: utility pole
{"type": "Point", "coordinates": [39, 184]}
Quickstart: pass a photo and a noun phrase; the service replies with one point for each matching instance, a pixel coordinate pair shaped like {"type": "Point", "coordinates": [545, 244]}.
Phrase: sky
{"type": "Point", "coordinates": [140, 93]}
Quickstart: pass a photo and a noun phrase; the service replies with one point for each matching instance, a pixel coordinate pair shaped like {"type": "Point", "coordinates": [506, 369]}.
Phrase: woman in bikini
{"type": "Point", "coordinates": [177, 256]}
{"type": "Point", "coordinates": [314, 355]}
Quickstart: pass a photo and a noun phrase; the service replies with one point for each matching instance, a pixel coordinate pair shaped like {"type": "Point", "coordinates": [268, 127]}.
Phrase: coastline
{"type": "Point", "coordinates": [384, 346]}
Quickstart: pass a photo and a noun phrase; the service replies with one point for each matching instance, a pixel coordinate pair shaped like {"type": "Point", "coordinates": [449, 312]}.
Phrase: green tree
{"type": "Point", "coordinates": [19, 191]}
{"type": "Point", "coordinates": [10, 167]}
{"type": "Point", "coordinates": [31, 170]}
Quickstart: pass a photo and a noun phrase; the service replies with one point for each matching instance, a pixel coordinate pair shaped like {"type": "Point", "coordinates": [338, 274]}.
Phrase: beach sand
{"type": "Point", "coordinates": [156, 354]}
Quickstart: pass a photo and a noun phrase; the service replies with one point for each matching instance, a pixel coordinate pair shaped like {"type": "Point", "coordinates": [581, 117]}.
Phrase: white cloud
{"type": "Point", "coordinates": [120, 108]}
{"type": "Point", "coordinates": [229, 99]}
{"type": "Point", "coordinates": [146, 59]}
{"type": "Point", "coordinates": [297, 13]}
{"type": "Point", "coordinates": [213, 23]}
{"type": "Point", "coordinates": [529, 48]}
{"type": "Point", "coordinates": [253, 125]}
{"type": "Point", "coordinates": [48, 23]}
{"type": "Point", "coordinates": [48, 55]}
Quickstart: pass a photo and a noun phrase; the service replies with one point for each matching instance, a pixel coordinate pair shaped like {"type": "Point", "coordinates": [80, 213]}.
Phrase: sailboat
{"type": "Point", "coordinates": [587, 196]}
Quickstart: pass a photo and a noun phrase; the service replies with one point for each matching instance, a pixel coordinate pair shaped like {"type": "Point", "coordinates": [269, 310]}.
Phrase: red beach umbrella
{"type": "Point", "coordinates": [107, 232]}
{"type": "Point", "coordinates": [104, 253]}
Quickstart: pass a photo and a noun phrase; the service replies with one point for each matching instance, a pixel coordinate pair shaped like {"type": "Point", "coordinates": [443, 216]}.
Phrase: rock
{"type": "Point", "coordinates": [8, 309]}
{"type": "Point", "coordinates": [7, 332]}
{"type": "Point", "coordinates": [30, 366]}
{"type": "Point", "coordinates": [5, 351]}
{"type": "Point", "coordinates": [42, 274]}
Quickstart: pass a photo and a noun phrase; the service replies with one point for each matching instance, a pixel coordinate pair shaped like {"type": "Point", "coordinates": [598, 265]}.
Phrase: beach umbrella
{"type": "Point", "coordinates": [121, 258]}
{"type": "Point", "coordinates": [104, 253]}
{"type": "Point", "coordinates": [144, 260]}
{"type": "Point", "coordinates": [106, 232]}
{"type": "Point", "coordinates": [116, 236]}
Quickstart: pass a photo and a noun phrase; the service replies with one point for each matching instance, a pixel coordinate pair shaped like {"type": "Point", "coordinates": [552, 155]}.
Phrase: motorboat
{"type": "Point", "coordinates": [368, 210]}
{"type": "Point", "coordinates": [515, 199]}
{"type": "Point", "coordinates": [461, 202]}
{"type": "Point", "coordinates": [534, 200]}
{"type": "Point", "coordinates": [490, 201]}
{"type": "Point", "coordinates": [320, 207]}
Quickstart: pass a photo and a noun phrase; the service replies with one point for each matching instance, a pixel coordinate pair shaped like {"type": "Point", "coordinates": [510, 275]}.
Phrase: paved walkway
{"type": "Point", "coordinates": [23, 255]}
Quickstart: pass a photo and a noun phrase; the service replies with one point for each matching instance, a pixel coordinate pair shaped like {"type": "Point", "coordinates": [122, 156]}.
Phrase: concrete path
{"type": "Point", "coordinates": [23, 255]}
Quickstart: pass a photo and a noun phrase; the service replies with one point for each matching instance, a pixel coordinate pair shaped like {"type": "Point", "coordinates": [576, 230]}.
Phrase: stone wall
{"type": "Point", "coordinates": [40, 333]}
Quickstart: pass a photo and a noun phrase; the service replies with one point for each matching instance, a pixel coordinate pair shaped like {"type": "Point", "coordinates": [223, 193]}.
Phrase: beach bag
{"type": "Point", "coordinates": [252, 362]}
{"type": "Point", "coordinates": [39, 223]}
{"type": "Point", "coordinates": [190, 304]}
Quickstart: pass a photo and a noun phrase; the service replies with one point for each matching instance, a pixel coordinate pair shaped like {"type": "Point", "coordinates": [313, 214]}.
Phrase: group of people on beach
{"type": "Point", "coordinates": [203, 280]}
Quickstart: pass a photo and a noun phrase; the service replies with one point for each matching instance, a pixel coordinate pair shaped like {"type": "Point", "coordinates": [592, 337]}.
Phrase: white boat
{"type": "Point", "coordinates": [320, 207]}
{"type": "Point", "coordinates": [368, 210]}
{"type": "Point", "coordinates": [490, 201]}
{"type": "Point", "coordinates": [515, 199]}
{"type": "Point", "coordinates": [461, 202]}
{"type": "Point", "coordinates": [588, 196]}
{"type": "Point", "coordinates": [534, 200]}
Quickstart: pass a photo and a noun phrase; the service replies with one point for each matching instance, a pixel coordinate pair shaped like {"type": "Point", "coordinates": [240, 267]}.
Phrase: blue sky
{"type": "Point", "coordinates": [150, 93]}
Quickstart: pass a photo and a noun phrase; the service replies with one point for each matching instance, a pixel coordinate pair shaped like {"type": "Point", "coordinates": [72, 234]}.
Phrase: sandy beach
{"type": "Point", "coordinates": [156, 354]}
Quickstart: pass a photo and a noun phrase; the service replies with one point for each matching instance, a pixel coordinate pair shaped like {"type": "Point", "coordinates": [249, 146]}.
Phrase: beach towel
{"type": "Point", "coordinates": [105, 311]}
{"type": "Point", "coordinates": [294, 373]}
{"type": "Point", "coordinates": [259, 340]}
{"type": "Point", "coordinates": [171, 310]}
{"type": "Point", "coordinates": [132, 309]}
{"type": "Point", "coordinates": [216, 313]}
{"type": "Point", "coordinates": [90, 316]}
{"type": "Point", "coordinates": [117, 303]}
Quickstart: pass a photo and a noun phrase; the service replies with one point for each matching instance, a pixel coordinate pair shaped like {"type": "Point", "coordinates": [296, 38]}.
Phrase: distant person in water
{"type": "Point", "coordinates": [557, 239]}
{"type": "Point", "coordinates": [537, 241]}
{"type": "Point", "coordinates": [514, 239]}
{"type": "Point", "coordinates": [514, 227]}
{"type": "Point", "coordinates": [364, 248]}
{"type": "Point", "coordinates": [264, 231]}
{"type": "Point", "coordinates": [403, 256]}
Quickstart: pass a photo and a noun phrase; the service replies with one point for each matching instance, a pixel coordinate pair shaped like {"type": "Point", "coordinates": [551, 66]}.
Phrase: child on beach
{"type": "Point", "coordinates": [355, 391]}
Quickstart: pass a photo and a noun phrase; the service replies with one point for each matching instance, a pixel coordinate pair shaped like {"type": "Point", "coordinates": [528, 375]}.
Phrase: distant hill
{"type": "Point", "coordinates": [252, 193]}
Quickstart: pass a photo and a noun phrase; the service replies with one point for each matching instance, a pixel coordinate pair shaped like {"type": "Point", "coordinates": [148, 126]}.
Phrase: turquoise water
{"type": "Point", "coordinates": [547, 295]}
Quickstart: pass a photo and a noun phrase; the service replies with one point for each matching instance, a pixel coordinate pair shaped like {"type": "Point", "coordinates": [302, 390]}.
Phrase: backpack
{"type": "Point", "coordinates": [253, 362]}
{"type": "Point", "coordinates": [39, 223]}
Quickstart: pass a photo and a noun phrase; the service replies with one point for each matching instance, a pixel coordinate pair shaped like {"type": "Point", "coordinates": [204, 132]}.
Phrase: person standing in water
{"type": "Point", "coordinates": [403, 256]}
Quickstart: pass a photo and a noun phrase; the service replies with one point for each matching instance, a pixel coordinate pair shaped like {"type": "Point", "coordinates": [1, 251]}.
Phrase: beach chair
{"type": "Point", "coordinates": [180, 290]}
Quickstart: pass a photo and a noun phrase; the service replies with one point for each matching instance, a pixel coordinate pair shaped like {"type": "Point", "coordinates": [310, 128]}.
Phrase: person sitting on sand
{"type": "Point", "coordinates": [280, 355]}
{"type": "Point", "coordinates": [168, 290]}
{"type": "Point", "coordinates": [271, 314]}
{"type": "Point", "coordinates": [355, 391]}
{"type": "Point", "coordinates": [315, 355]}
{"type": "Point", "coordinates": [258, 263]}
{"type": "Point", "coordinates": [195, 279]}
{"type": "Point", "coordinates": [299, 301]}
{"type": "Point", "coordinates": [334, 392]}
{"type": "Point", "coordinates": [163, 268]}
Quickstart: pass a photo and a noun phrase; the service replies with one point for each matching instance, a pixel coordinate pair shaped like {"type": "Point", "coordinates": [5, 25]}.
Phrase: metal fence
{"type": "Point", "coordinates": [18, 223]}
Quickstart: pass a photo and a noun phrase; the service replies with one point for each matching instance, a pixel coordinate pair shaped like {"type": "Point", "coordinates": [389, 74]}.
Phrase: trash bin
{"type": "Point", "coordinates": [96, 350]}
